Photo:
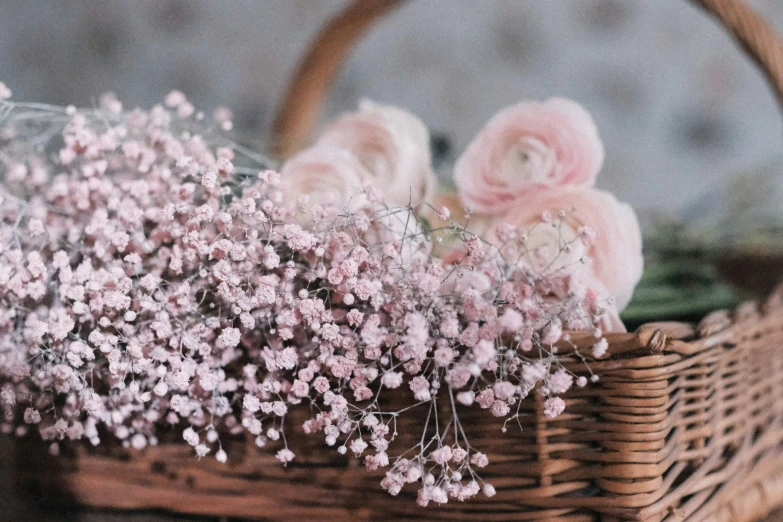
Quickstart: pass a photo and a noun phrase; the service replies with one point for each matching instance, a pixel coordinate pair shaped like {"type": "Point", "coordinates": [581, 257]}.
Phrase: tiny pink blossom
{"type": "Point", "coordinates": [358, 446]}
{"type": "Point", "coordinates": [251, 403]}
{"type": "Point", "coordinates": [209, 179]}
{"type": "Point", "coordinates": [285, 455]}
{"type": "Point", "coordinates": [32, 416]}
{"type": "Point", "coordinates": [500, 408]}
{"type": "Point", "coordinates": [479, 460]}
{"type": "Point", "coordinates": [36, 228]}
{"type": "Point", "coordinates": [600, 348]}
{"type": "Point", "coordinates": [553, 407]}
{"type": "Point", "coordinates": [230, 337]}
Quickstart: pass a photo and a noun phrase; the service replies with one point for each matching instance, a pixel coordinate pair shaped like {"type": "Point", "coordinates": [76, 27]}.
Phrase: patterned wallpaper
{"type": "Point", "coordinates": [679, 107]}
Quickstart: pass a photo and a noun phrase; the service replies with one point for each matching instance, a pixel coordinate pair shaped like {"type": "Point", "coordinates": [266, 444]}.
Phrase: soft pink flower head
{"type": "Point", "coordinates": [613, 253]}
{"type": "Point", "coordinates": [328, 176]}
{"type": "Point", "coordinates": [393, 146]}
{"type": "Point", "coordinates": [532, 143]}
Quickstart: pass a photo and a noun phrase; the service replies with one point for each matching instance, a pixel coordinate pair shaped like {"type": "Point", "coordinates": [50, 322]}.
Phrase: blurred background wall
{"type": "Point", "coordinates": [678, 105]}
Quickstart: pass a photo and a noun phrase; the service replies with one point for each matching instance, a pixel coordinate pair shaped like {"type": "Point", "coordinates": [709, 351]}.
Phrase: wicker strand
{"type": "Point", "coordinates": [308, 87]}
{"type": "Point", "coordinates": [754, 35]}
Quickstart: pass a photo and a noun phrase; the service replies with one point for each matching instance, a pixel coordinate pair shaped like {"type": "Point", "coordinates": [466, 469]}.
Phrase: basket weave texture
{"type": "Point", "coordinates": [685, 423]}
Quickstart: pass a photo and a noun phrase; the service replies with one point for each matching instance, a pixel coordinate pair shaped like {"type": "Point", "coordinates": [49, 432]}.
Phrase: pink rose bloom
{"type": "Point", "coordinates": [599, 228]}
{"type": "Point", "coordinates": [326, 176]}
{"type": "Point", "coordinates": [393, 146]}
{"type": "Point", "coordinates": [532, 143]}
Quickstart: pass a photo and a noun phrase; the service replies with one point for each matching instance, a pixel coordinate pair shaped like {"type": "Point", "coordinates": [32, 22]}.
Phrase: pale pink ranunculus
{"type": "Point", "coordinates": [393, 146]}
{"type": "Point", "coordinates": [529, 144]}
{"type": "Point", "coordinates": [597, 226]}
{"type": "Point", "coordinates": [327, 176]}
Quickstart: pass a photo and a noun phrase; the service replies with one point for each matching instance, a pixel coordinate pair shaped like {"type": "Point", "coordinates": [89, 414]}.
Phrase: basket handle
{"type": "Point", "coordinates": [307, 89]}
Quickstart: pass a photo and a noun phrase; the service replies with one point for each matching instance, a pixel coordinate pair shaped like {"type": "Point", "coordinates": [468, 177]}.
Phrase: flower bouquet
{"type": "Point", "coordinates": [154, 279]}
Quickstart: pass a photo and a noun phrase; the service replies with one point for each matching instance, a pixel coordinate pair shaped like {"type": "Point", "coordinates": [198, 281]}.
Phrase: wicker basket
{"type": "Point", "coordinates": [686, 422]}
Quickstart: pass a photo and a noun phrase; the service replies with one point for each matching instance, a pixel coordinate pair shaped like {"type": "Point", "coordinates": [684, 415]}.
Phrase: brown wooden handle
{"type": "Point", "coordinates": [307, 89]}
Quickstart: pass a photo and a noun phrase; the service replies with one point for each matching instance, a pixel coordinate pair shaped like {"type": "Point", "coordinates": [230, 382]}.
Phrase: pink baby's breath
{"type": "Point", "coordinates": [553, 407]}
{"type": "Point", "coordinates": [156, 281]}
{"type": "Point", "coordinates": [599, 348]}
{"type": "Point", "coordinates": [285, 455]}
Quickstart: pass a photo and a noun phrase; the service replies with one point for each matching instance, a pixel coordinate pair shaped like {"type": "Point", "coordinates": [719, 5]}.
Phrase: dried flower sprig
{"type": "Point", "coordinates": [153, 275]}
